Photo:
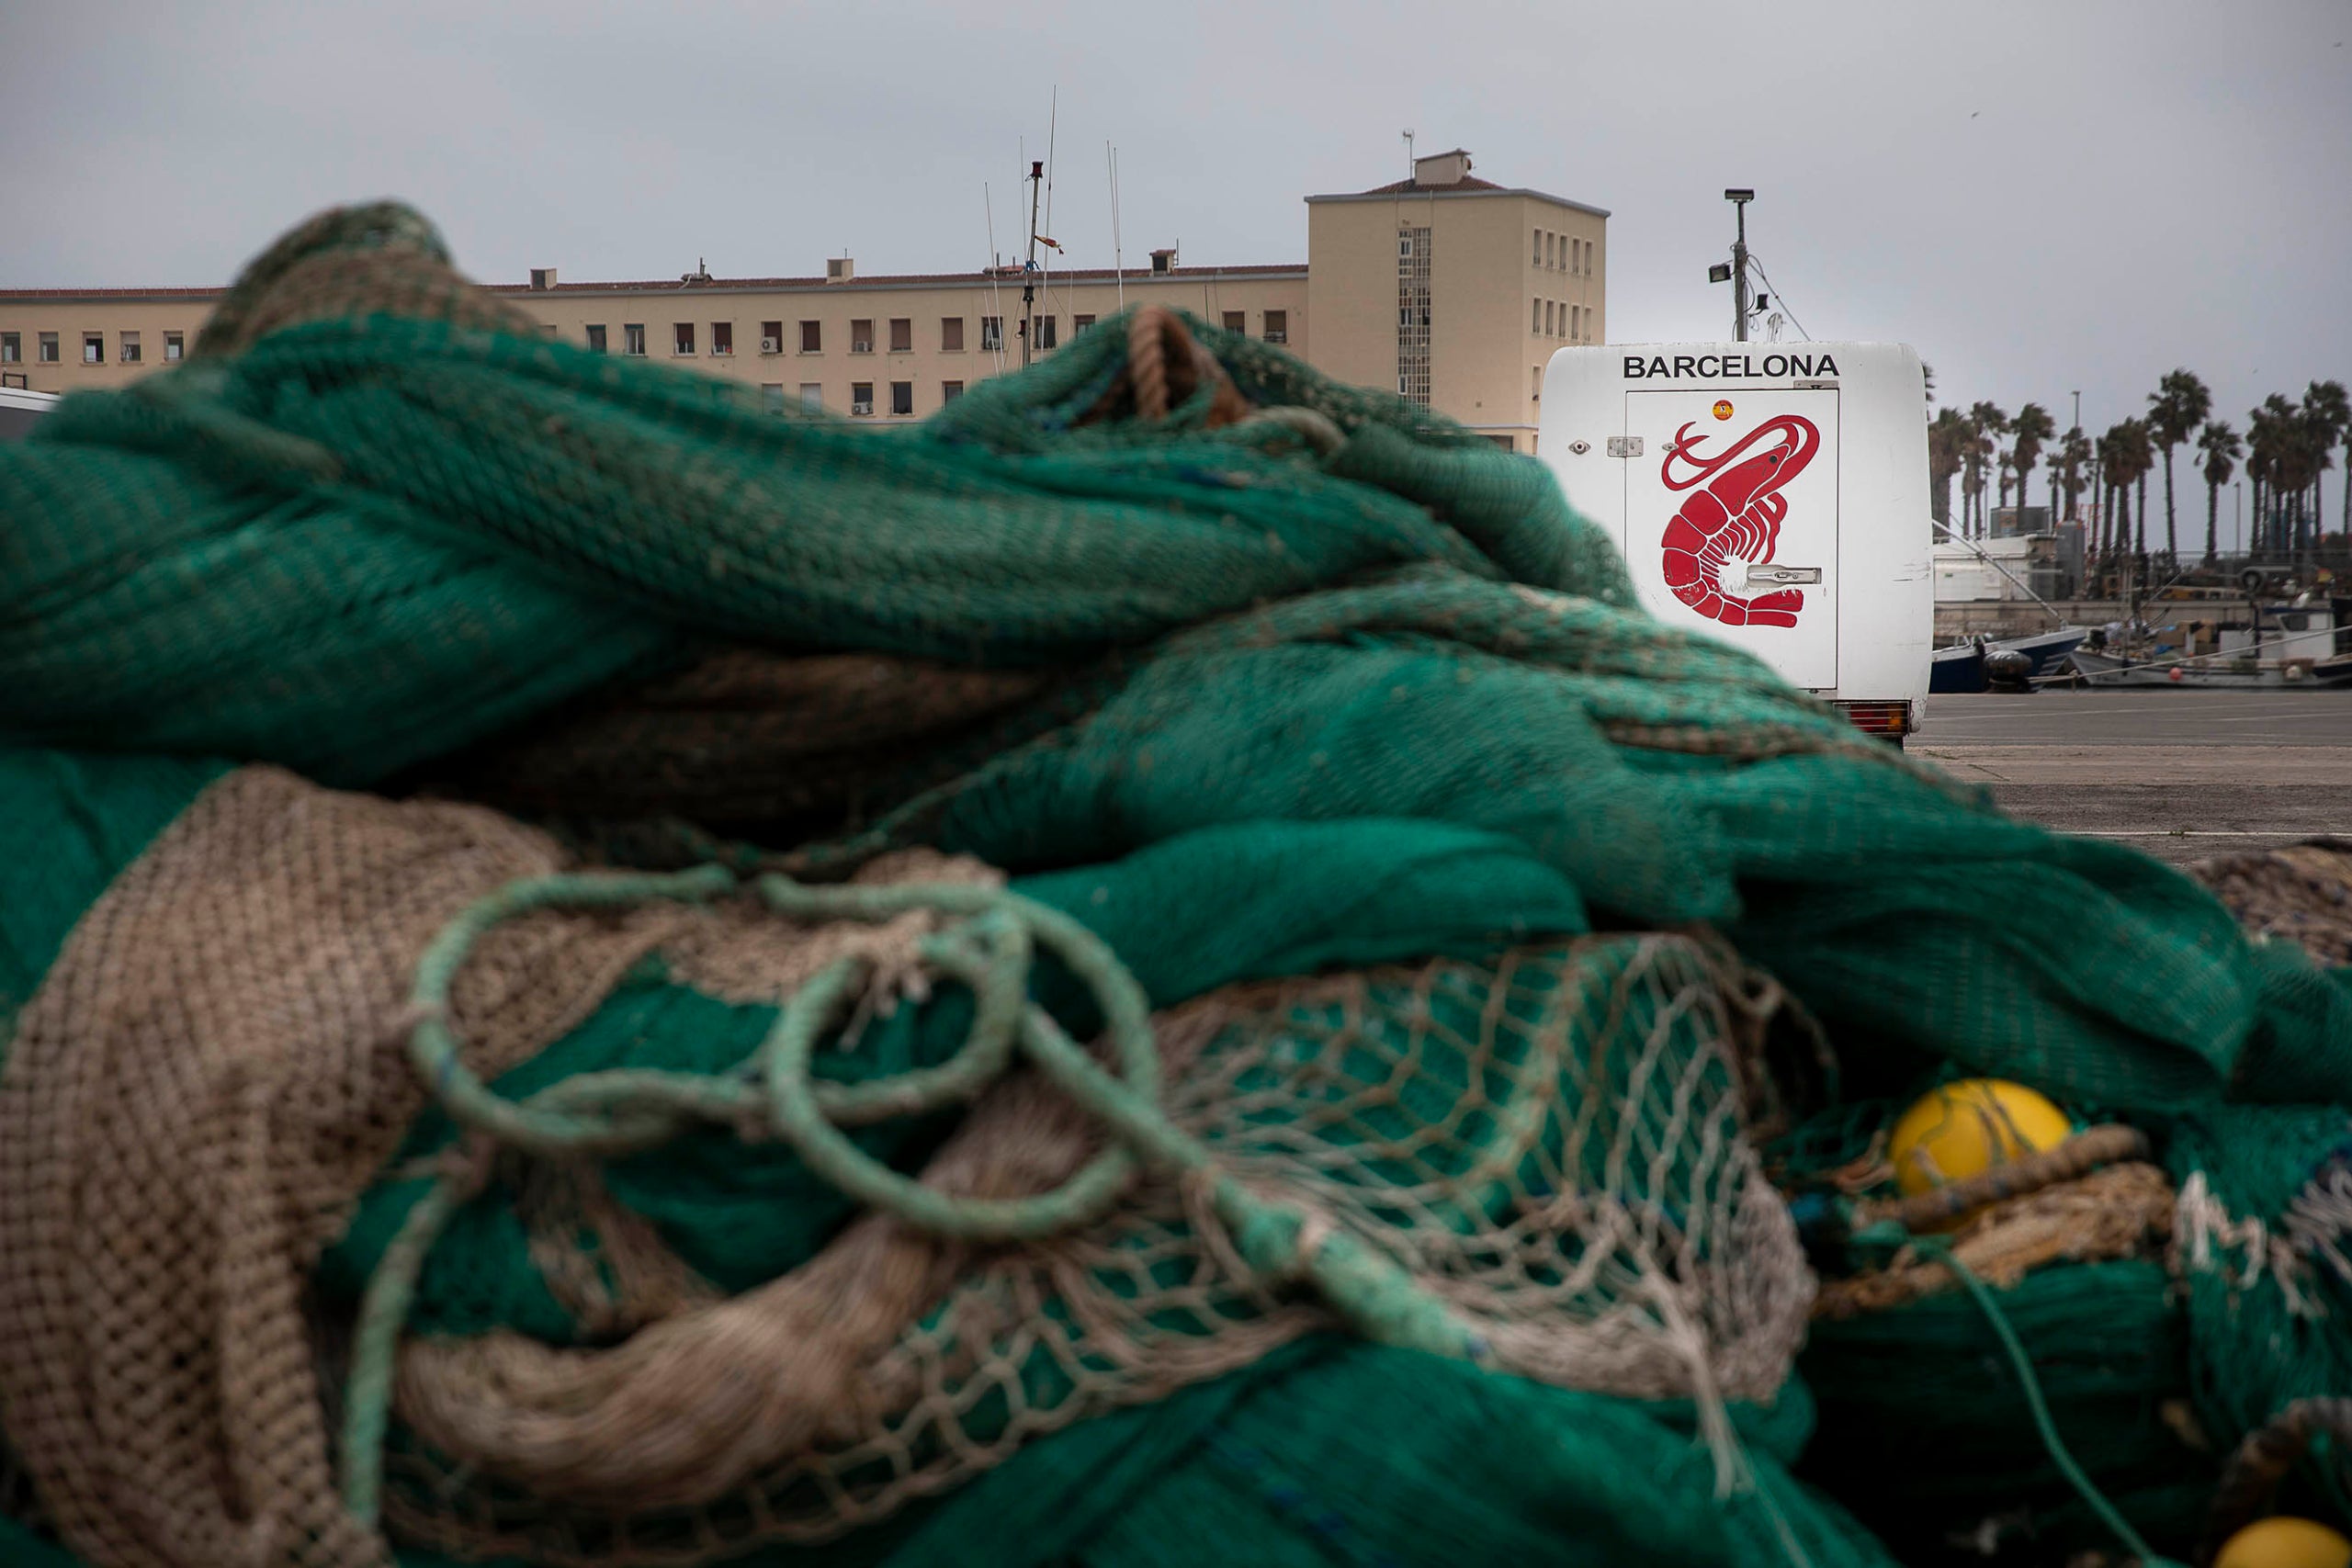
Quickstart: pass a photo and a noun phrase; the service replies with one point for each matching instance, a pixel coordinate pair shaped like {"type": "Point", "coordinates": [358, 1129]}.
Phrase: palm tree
{"type": "Point", "coordinates": [2175, 409]}
{"type": "Point", "coordinates": [2115, 495]}
{"type": "Point", "coordinates": [2265, 436]}
{"type": "Point", "coordinates": [2329, 414]}
{"type": "Point", "coordinates": [2128, 456]}
{"type": "Point", "coordinates": [2218, 446]}
{"type": "Point", "coordinates": [1986, 423]}
{"type": "Point", "coordinates": [2031, 427]}
{"type": "Point", "coordinates": [1947, 449]}
{"type": "Point", "coordinates": [2066, 468]}
{"type": "Point", "coordinates": [2282, 458]}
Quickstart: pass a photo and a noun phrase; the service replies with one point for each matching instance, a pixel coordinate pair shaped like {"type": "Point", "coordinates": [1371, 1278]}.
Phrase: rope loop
{"type": "Point", "coordinates": [992, 950]}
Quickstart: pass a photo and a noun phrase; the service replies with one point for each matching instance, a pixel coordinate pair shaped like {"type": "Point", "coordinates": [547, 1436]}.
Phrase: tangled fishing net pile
{"type": "Point", "coordinates": [1162, 969]}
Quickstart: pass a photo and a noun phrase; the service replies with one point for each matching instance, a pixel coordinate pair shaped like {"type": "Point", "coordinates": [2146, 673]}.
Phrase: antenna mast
{"type": "Point", "coordinates": [1029, 267]}
{"type": "Point", "coordinates": [996, 265]}
{"type": "Point", "coordinates": [1118, 261]}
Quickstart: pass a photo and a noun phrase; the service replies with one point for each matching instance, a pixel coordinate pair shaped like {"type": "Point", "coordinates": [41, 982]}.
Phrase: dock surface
{"type": "Point", "coordinates": [2179, 774]}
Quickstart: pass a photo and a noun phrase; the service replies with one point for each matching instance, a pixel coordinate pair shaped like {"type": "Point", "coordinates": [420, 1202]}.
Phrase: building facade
{"type": "Point", "coordinates": [1449, 289]}
{"type": "Point", "coordinates": [1454, 291]}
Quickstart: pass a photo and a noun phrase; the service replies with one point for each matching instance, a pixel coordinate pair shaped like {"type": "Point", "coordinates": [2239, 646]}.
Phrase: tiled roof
{"type": "Point", "coordinates": [110, 293]}
{"type": "Point", "coordinates": [1008, 276]}
{"type": "Point", "coordinates": [1407, 188]}
{"type": "Point", "coordinates": [1012, 276]}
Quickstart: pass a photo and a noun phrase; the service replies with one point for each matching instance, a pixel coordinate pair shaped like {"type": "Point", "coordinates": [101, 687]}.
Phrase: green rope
{"type": "Point", "coordinates": [627, 1111]}
{"type": "Point", "coordinates": [1937, 1247]}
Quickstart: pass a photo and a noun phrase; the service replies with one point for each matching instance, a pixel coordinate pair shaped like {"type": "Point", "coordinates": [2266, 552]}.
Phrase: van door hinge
{"type": "Point", "coordinates": [1625, 445]}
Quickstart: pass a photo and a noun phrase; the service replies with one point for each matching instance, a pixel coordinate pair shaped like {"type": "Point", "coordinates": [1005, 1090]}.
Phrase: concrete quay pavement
{"type": "Point", "coordinates": [2178, 774]}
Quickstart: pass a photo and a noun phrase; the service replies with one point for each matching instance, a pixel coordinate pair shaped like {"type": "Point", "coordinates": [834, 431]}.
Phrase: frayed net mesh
{"type": "Point", "coordinates": [1554, 1144]}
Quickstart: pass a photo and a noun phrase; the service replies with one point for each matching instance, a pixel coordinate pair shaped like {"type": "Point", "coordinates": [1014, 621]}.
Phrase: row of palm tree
{"type": "Point", "coordinates": [2285, 449]}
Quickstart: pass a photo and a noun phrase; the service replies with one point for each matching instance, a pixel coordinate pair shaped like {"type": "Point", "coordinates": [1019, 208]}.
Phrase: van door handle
{"type": "Point", "coordinates": [1784, 574]}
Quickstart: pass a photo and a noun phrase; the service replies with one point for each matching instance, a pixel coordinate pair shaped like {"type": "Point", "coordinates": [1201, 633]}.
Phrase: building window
{"type": "Point", "coordinates": [48, 348]}
{"type": "Point", "coordinates": [951, 334]}
{"type": "Point", "coordinates": [1575, 324]}
{"type": "Point", "coordinates": [772, 393]}
{"type": "Point", "coordinates": [1535, 316]}
{"type": "Point", "coordinates": [129, 353]}
{"type": "Point", "coordinates": [1535, 382]}
{"type": "Point", "coordinates": [861, 336]}
{"type": "Point", "coordinates": [1045, 335]}
{"type": "Point", "coordinates": [812, 337]}
{"type": "Point", "coordinates": [771, 337]}
{"type": "Point", "coordinates": [1237, 321]}
{"type": "Point", "coordinates": [722, 337]}
{"type": "Point", "coordinates": [174, 346]}
{"type": "Point", "coordinates": [1278, 326]}
{"type": "Point", "coordinates": [1080, 323]}
{"type": "Point", "coordinates": [633, 338]}
{"type": "Point", "coordinates": [682, 340]}
{"type": "Point", "coordinates": [992, 335]}
{"type": "Point", "coordinates": [1413, 315]}
{"type": "Point", "coordinates": [596, 344]}
{"type": "Point", "coordinates": [861, 397]}
{"type": "Point", "coordinates": [546, 329]}
{"type": "Point", "coordinates": [902, 397]}
{"type": "Point", "coordinates": [1506, 443]}
{"type": "Point", "coordinates": [950, 390]}
{"type": "Point", "coordinates": [1550, 326]}
{"type": "Point", "coordinates": [94, 348]}
{"type": "Point", "coordinates": [12, 348]}
{"type": "Point", "coordinates": [812, 395]}
{"type": "Point", "coordinates": [1551, 251]}
{"type": "Point", "coordinates": [1537, 259]}
{"type": "Point", "coordinates": [14, 378]}
{"type": "Point", "coordinates": [902, 334]}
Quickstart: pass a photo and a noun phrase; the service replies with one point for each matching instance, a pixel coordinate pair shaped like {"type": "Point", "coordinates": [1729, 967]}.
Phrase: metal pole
{"type": "Point", "coordinates": [1029, 271]}
{"type": "Point", "coordinates": [1739, 276]}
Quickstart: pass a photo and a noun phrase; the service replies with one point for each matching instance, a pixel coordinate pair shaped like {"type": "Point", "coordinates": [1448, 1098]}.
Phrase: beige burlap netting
{"type": "Point", "coordinates": [1553, 1145]}
{"type": "Point", "coordinates": [196, 1097]}
{"type": "Point", "coordinates": [745, 736]}
{"type": "Point", "coordinates": [2302, 894]}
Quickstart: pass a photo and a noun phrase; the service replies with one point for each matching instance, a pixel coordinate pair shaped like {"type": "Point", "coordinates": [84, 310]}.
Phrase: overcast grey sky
{"type": "Point", "coordinates": [2040, 197]}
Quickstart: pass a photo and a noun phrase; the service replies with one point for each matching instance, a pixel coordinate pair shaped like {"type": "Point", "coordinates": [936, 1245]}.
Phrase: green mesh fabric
{"type": "Point", "coordinates": [1338, 702]}
{"type": "Point", "coordinates": [2262, 1241]}
{"type": "Point", "coordinates": [1924, 1430]}
{"type": "Point", "coordinates": [68, 823]}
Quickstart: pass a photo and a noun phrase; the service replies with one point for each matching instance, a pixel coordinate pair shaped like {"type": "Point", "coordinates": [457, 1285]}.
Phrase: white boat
{"type": "Point", "coordinates": [2230, 672]}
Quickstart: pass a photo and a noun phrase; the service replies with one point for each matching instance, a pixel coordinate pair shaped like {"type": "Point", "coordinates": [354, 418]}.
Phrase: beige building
{"type": "Point", "coordinates": [1449, 289]}
{"type": "Point", "coordinates": [1454, 291]}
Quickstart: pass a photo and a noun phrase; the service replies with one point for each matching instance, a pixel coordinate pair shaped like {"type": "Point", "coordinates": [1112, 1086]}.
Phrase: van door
{"type": "Point", "coordinates": [1731, 519]}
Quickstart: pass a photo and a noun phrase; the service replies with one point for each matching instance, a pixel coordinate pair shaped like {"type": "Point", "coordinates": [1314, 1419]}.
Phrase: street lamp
{"type": "Point", "coordinates": [1739, 197]}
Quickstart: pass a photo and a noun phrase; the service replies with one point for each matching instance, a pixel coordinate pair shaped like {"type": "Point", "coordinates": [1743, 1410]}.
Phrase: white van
{"type": "Point", "coordinates": [20, 409]}
{"type": "Point", "coordinates": [1774, 495]}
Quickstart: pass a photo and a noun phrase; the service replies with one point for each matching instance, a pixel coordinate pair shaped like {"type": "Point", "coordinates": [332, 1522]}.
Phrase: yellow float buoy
{"type": "Point", "coordinates": [2284, 1542]}
{"type": "Point", "coordinates": [1960, 1129]}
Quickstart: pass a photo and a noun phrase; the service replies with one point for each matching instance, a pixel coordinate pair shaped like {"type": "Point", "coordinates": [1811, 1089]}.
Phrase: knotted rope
{"type": "Point", "coordinates": [611, 1113]}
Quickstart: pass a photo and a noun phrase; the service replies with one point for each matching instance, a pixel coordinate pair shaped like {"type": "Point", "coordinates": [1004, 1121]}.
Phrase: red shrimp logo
{"type": "Point", "coordinates": [1736, 517]}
